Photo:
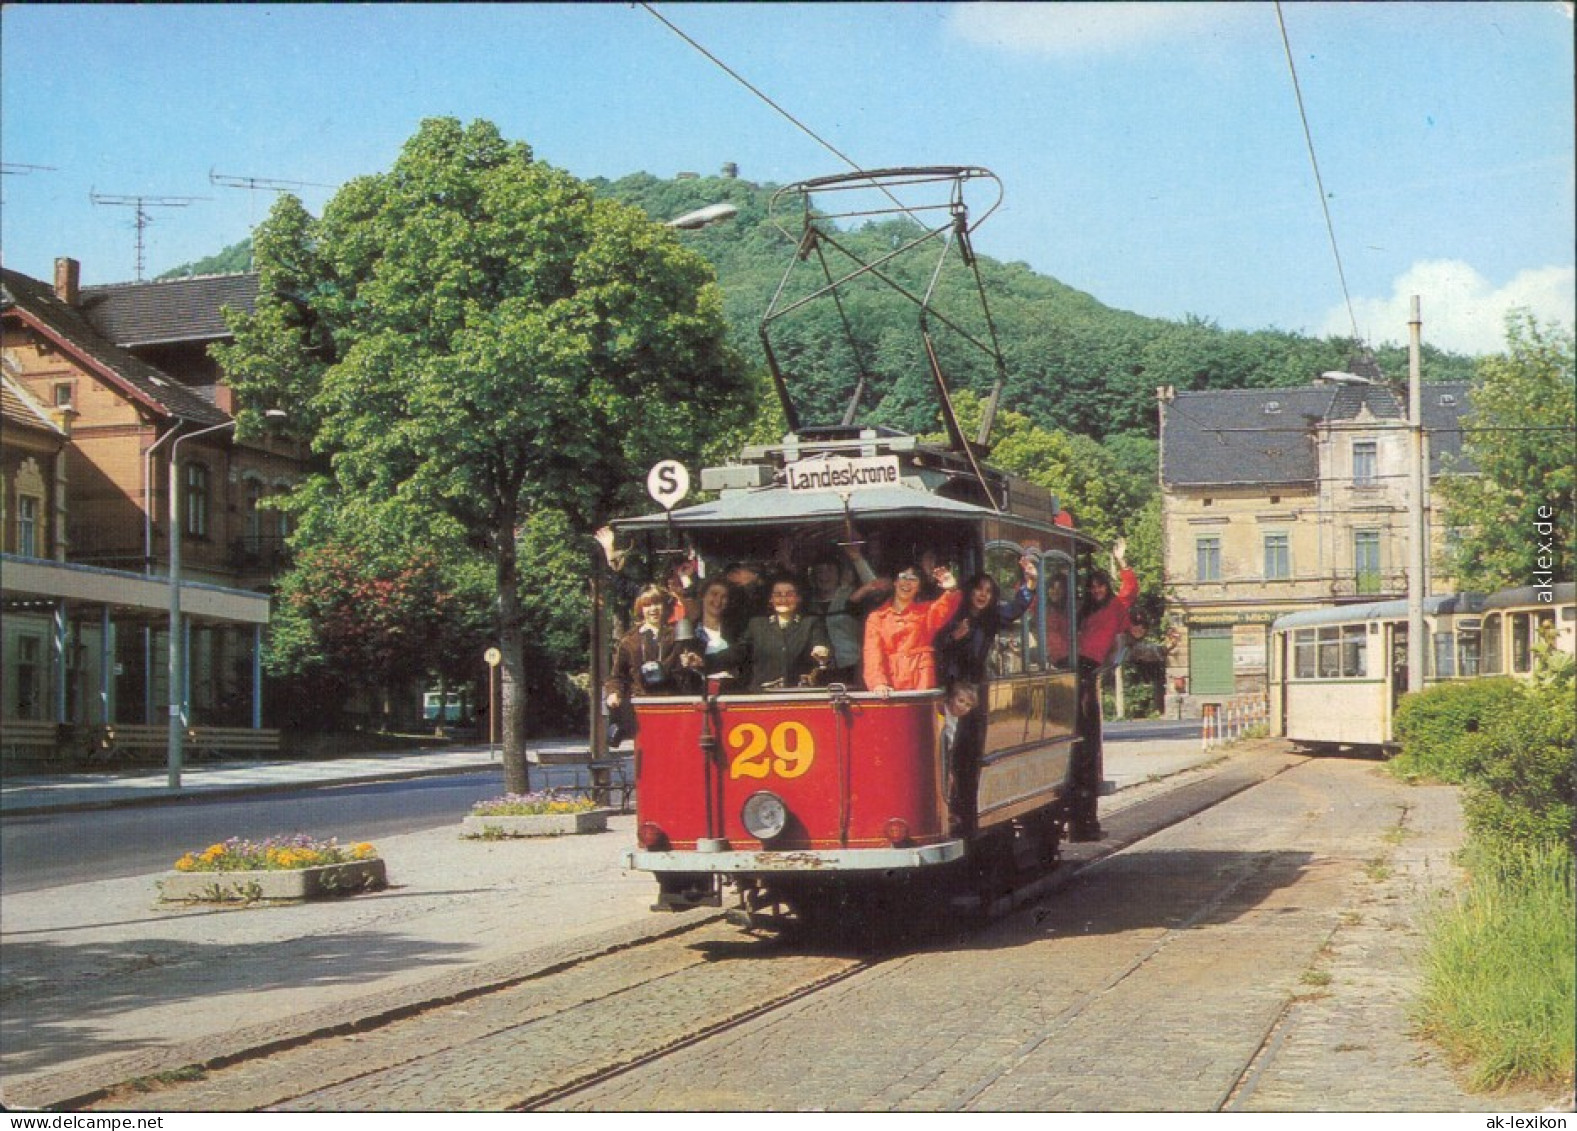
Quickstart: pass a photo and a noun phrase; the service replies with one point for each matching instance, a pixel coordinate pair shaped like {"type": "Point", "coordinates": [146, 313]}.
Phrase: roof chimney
{"type": "Point", "coordinates": [68, 280]}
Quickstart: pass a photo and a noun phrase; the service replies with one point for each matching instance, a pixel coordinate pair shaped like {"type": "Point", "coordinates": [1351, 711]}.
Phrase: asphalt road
{"type": "Point", "coordinates": [52, 849]}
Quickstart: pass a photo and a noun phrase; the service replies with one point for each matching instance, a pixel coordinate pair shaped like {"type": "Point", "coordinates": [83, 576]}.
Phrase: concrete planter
{"type": "Point", "coordinates": [319, 882]}
{"type": "Point", "coordinates": [545, 824]}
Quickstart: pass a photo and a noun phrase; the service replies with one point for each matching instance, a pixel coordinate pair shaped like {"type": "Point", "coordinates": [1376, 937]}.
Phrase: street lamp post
{"type": "Point", "coordinates": [177, 697]}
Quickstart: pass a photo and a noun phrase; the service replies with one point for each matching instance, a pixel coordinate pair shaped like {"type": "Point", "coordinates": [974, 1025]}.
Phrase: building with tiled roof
{"type": "Point", "coordinates": [101, 386]}
{"type": "Point", "coordinates": [1277, 500]}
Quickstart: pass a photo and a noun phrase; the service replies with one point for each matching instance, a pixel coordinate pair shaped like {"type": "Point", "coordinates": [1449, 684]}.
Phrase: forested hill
{"type": "Point", "coordinates": [1072, 363]}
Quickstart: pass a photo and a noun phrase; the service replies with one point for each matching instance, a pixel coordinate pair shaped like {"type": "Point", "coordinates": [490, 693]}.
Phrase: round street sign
{"type": "Point", "coordinates": [667, 482]}
{"type": "Point", "coordinates": [493, 657]}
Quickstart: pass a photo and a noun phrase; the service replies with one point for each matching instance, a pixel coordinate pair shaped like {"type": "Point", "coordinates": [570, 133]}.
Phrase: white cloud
{"type": "Point", "coordinates": [1461, 310]}
{"type": "Point", "coordinates": [1091, 28]}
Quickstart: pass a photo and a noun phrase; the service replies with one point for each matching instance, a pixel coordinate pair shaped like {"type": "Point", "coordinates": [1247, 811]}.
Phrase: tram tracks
{"type": "Point", "coordinates": [547, 1041]}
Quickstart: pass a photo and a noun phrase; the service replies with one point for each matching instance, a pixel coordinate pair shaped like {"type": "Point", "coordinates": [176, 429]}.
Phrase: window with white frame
{"type": "Point", "coordinates": [1365, 463]}
{"type": "Point", "coordinates": [27, 526]}
{"type": "Point", "coordinates": [196, 500]}
{"type": "Point", "coordinates": [1278, 556]}
{"type": "Point", "coordinates": [1207, 558]}
{"type": "Point", "coordinates": [1366, 560]}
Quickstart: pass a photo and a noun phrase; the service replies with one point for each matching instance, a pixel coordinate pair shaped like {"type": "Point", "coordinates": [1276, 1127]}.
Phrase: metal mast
{"type": "Point", "coordinates": [141, 217]}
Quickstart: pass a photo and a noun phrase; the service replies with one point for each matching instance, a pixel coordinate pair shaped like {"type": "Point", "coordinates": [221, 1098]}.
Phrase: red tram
{"type": "Point", "coordinates": [803, 798]}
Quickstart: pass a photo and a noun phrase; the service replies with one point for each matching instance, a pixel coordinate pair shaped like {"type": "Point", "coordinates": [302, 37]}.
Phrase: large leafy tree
{"type": "Point", "coordinates": [1514, 517]}
{"type": "Point", "coordinates": [480, 335]}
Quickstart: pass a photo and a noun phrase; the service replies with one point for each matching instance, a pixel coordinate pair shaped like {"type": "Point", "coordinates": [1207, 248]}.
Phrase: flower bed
{"type": "Point", "coordinates": [548, 813]}
{"type": "Point", "coordinates": [296, 867]}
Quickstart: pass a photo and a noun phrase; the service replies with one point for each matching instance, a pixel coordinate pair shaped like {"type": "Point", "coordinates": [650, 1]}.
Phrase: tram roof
{"type": "Point", "coordinates": [1564, 592]}
{"type": "Point", "coordinates": [777, 506]}
{"type": "Point", "coordinates": [1379, 610]}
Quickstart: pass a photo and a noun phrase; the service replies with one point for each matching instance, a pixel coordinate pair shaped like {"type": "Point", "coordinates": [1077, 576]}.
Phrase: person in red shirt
{"type": "Point", "coordinates": [899, 651]}
{"type": "Point", "coordinates": [1103, 618]}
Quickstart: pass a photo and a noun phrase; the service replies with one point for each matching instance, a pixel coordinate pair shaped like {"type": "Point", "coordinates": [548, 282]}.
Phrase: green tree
{"type": "Point", "coordinates": [1514, 513]}
{"type": "Point", "coordinates": [481, 336]}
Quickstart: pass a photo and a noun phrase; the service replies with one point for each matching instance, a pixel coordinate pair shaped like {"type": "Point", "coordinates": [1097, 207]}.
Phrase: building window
{"type": "Point", "coordinates": [1278, 557]}
{"type": "Point", "coordinates": [1366, 560]}
{"type": "Point", "coordinates": [196, 500]}
{"type": "Point", "coordinates": [254, 513]}
{"type": "Point", "coordinates": [1365, 463]}
{"type": "Point", "coordinates": [27, 526]}
{"type": "Point", "coordinates": [63, 395]}
{"type": "Point", "coordinates": [29, 700]}
{"type": "Point", "coordinates": [1207, 558]}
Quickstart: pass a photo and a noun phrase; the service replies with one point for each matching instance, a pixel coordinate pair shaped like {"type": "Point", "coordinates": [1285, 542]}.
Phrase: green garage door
{"type": "Point", "coordinates": [1210, 661]}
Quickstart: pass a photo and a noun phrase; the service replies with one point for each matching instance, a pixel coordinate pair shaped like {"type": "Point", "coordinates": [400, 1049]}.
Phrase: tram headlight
{"type": "Point", "coordinates": [764, 815]}
{"type": "Point", "coordinates": [651, 837]}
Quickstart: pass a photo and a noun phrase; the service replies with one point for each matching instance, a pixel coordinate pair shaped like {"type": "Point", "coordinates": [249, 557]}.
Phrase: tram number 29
{"type": "Point", "coordinates": [787, 750]}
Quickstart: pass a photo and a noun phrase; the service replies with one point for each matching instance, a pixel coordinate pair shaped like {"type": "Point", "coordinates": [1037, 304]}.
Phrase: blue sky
{"type": "Point", "coordinates": [1152, 154]}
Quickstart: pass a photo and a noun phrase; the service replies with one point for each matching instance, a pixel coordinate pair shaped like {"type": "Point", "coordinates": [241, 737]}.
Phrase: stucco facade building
{"type": "Point", "coordinates": [1276, 500]}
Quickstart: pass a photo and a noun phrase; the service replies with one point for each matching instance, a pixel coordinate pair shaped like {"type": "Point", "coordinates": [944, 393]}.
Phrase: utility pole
{"type": "Point", "coordinates": [141, 217]}
{"type": "Point", "coordinates": [1418, 522]}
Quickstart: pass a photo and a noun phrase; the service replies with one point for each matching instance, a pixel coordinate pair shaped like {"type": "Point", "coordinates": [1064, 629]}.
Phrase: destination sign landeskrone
{"type": "Point", "coordinates": [839, 473]}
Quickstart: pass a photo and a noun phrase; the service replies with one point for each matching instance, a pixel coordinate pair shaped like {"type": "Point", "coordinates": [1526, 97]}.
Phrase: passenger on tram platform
{"type": "Point", "coordinates": [1103, 617]}
{"type": "Point", "coordinates": [842, 607]}
{"type": "Point", "coordinates": [966, 642]}
{"type": "Point", "coordinates": [963, 649]}
{"type": "Point", "coordinates": [639, 666]}
{"type": "Point", "coordinates": [713, 646]}
{"type": "Point", "coordinates": [781, 650]}
{"type": "Point", "coordinates": [900, 637]}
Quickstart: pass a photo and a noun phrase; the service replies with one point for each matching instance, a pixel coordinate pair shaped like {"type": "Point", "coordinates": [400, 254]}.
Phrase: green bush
{"type": "Point", "coordinates": [1522, 776]}
{"type": "Point", "coordinates": [1441, 727]}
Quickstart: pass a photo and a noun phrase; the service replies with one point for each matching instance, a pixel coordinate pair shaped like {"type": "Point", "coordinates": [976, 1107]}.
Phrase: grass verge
{"type": "Point", "coordinates": [1500, 987]}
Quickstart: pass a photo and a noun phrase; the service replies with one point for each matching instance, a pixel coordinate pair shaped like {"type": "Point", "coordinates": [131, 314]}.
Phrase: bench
{"type": "Point", "coordinates": [139, 742]}
{"type": "Point", "coordinates": [30, 740]}
{"type": "Point", "coordinates": [607, 778]}
{"type": "Point", "coordinates": [129, 742]}
{"type": "Point", "coordinates": [221, 742]}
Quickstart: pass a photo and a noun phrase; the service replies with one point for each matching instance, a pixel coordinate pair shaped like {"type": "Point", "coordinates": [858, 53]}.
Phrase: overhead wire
{"type": "Point", "coordinates": [761, 94]}
{"type": "Point", "coordinates": [1319, 183]}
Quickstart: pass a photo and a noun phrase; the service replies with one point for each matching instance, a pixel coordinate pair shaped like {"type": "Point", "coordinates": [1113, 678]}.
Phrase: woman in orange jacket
{"type": "Point", "coordinates": [899, 653]}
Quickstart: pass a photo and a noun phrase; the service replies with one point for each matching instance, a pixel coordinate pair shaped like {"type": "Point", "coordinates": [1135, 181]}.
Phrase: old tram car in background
{"type": "Point", "coordinates": [808, 801]}
{"type": "Point", "coordinates": [1338, 675]}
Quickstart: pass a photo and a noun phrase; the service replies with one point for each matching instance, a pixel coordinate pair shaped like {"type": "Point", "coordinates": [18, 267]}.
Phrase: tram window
{"type": "Point", "coordinates": [1491, 643]}
{"type": "Point", "coordinates": [1303, 653]}
{"type": "Point", "coordinates": [1330, 657]}
{"type": "Point", "coordinates": [1521, 643]}
{"type": "Point", "coordinates": [1467, 653]}
{"type": "Point", "coordinates": [1355, 644]}
{"type": "Point", "coordinates": [1016, 642]}
{"type": "Point", "coordinates": [1059, 590]}
{"type": "Point", "coordinates": [1445, 655]}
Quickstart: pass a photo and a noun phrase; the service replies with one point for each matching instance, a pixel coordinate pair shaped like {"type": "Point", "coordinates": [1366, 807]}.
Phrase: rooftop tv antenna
{"type": "Point", "coordinates": [253, 185]}
{"type": "Point", "coordinates": [141, 217]}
